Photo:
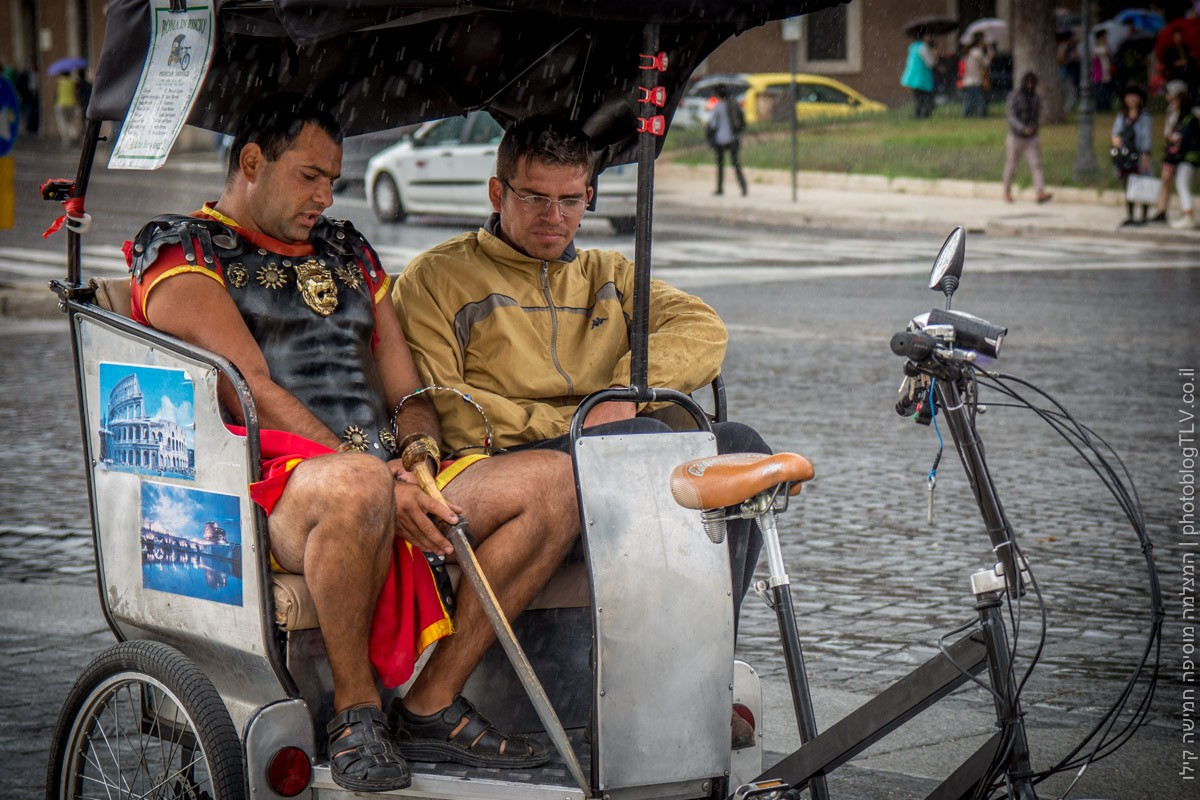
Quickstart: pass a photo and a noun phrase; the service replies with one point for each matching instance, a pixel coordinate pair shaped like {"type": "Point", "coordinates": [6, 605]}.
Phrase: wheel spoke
{"type": "Point", "coordinates": [131, 695]}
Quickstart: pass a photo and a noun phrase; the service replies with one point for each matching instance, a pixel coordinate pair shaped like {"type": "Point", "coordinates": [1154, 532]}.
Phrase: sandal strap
{"type": "Point", "coordinates": [367, 716]}
{"type": "Point", "coordinates": [476, 733]}
{"type": "Point", "coordinates": [367, 742]}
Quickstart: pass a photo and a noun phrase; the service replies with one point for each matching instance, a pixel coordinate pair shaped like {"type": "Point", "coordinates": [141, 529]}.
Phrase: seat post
{"type": "Point", "coordinates": [762, 507]}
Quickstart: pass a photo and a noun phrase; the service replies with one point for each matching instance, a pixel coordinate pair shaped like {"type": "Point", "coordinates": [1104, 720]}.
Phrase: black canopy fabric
{"type": "Point", "coordinates": [378, 64]}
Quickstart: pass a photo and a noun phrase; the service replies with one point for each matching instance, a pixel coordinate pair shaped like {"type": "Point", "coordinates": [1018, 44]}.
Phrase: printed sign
{"type": "Point", "coordinates": [147, 421]}
{"type": "Point", "coordinates": [191, 543]}
{"type": "Point", "coordinates": [179, 55]}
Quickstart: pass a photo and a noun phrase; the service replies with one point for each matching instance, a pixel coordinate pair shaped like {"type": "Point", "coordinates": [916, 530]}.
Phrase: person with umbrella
{"type": "Point", "coordinates": [918, 71]}
{"type": "Point", "coordinates": [1179, 62]}
{"type": "Point", "coordinates": [66, 108]}
{"type": "Point", "coordinates": [975, 73]}
{"type": "Point", "coordinates": [66, 96]}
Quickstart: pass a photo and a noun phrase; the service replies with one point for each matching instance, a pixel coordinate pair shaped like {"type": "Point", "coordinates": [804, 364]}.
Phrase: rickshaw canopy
{"type": "Point", "coordinates": [378, 64]}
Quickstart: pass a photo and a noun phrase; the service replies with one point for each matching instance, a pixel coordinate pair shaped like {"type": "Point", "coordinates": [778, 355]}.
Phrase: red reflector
{"type": "Point", "coordinates": [745, 713]}
{"type": "Point", "coordinates": [289, 772]}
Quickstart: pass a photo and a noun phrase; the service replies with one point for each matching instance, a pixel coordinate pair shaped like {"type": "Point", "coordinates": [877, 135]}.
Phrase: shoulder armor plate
{"type": "Point", "coordinates": [203, 241]}
{"type": "Point", "coordinates": [340, 236]}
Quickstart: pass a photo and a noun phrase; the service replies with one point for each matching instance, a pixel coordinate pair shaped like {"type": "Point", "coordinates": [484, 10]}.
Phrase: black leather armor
{"type": "Point", "coordinates": [312, 316]}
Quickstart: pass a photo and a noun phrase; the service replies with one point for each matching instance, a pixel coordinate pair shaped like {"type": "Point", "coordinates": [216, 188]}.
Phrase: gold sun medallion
{"type": "Point", "coordinates": [356, 438]}
{"type": "Point", "coordinates": [271, 276]}
{"type": "Point", "coordinates": [349, 275]}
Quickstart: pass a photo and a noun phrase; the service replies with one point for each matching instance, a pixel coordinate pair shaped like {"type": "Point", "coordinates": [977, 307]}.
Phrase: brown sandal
{"type": "Point", "coordinates": [476, 743]}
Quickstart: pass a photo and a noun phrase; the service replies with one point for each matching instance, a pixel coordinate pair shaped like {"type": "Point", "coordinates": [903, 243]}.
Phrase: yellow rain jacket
{"type": "Point", "coordinates": [529, 339]}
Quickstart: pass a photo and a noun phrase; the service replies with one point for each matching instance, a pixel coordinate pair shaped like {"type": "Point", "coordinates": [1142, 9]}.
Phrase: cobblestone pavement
{"type": "Point", "coordinates": [809, 366]}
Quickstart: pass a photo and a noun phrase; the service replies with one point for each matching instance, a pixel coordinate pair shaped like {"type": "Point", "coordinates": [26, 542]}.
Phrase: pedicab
{"type": "Point", "coordinates": [219, 680]}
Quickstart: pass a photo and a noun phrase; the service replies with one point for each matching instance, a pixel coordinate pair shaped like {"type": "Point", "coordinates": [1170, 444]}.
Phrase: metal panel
{"type": "Point", "coordinates": [662, 615]}
{"type": "Point", "coordinates": [747, 763]}
{"type": "Point", "coordinates": [208, 601]}
{"type": "Point", "coordinates": [285, 724]}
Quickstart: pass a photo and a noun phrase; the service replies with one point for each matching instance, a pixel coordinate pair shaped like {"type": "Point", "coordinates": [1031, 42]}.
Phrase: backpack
{"type": "Point", "coordinates": [736, 118]}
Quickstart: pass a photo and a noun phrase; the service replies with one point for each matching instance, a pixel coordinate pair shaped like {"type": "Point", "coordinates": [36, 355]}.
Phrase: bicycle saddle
{"type": "Point", "coordinates": [733, 478]}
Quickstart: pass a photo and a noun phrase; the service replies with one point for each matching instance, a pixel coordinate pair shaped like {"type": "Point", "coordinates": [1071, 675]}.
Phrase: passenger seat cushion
{"type": "Point", "coordinates": [113, 295]}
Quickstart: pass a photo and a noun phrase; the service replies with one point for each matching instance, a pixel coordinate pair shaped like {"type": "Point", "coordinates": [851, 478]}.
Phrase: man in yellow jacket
{"type": "Point", "coordinates": [527, 325]}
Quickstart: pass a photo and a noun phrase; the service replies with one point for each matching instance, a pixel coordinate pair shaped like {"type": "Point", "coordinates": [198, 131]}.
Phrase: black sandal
{"type": "Point", "coordinates": [477, 744]}
{"type": "Point", "coordinates": [366, 759]}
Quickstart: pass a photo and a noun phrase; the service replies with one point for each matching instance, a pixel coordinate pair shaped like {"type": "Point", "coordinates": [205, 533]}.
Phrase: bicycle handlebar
{"type": "Point", "coordinates": [913, 346]}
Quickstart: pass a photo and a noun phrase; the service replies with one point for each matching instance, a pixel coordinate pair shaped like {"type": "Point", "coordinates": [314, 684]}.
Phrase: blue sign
{"type": "Point", "coordinates": [10, 116]}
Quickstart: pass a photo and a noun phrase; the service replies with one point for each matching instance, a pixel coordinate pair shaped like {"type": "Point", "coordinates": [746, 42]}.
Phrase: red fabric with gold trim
{"type": "Point", "coordinates": [409, 614]}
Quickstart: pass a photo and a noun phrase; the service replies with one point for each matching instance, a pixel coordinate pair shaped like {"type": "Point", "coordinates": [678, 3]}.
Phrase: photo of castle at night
{"type": "Point", "coordinates": [191, 542]}
{"type": "Point", "coordinates": [147, 421]}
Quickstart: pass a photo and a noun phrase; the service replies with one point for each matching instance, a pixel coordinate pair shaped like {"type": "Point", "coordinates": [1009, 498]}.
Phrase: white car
{"type": "Point", "coordinates": [445, 166]}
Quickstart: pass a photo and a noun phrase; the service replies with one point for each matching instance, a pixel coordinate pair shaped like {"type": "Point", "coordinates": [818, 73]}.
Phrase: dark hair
{"type": "Point", "coordinates": [1028, 77]}
{"type": "Point", "coordinates": [1134, 88]}
{"type": "Point", "coordinates": [274, 125]}
{"type": "Point", "coordinates": [547, 139]}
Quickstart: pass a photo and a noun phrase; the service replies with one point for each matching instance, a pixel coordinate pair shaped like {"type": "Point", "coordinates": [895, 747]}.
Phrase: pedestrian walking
{"type": "Point", "coordinates": [83, 92]}
{"type": "Point", "coordinates": [1131, 146]}
{"type": "Point", "coordinates": [1023, 109]}
{"type": "Point", "coordinates": [724, 134]}
{"type": "Point", "coordinates": [975, 74]}
{"type": "Point", "coordinates": [1181, 155]}
{"type": "Point", "coordinates": [1067, 55]}
{"type": "Point", "coordinates": [1102, 72]}
{"type": "Point", "coordinates": [27, 93]}
{"type": "Point", "coordinates": [66, 109]}
{"type": "Point", "coordinates": [918, 73]}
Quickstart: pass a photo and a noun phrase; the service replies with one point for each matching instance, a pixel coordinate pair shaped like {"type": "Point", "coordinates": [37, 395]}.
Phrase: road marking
{"type": "Point", "coordinates": [714, 263]}
{"type": "Point", "coordinates": [50, 264]}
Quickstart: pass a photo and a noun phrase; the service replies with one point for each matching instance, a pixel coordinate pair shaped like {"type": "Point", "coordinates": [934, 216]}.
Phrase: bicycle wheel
{"type": "Point", "coordinates": [143, 721]}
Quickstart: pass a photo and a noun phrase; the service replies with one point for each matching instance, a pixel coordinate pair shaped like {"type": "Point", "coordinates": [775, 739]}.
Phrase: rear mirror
{"type": "Point", "coordinates": [947, 267]}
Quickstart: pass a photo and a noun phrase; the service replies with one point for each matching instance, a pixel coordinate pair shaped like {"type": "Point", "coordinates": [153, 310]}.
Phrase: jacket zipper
{"type": "Point", "coordinates": [545, 278]}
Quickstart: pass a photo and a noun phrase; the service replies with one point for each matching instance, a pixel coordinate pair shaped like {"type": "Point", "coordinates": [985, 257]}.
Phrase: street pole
{"type": "Point", "coordinates": [1085, 156]}
{"type": "Point", "coordinates": [791, 33]}
{"type": "Point", "coordinates": [795, 125]}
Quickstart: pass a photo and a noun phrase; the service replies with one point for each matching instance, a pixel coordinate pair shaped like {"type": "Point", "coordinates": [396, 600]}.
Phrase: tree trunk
{"type": "Point", "coordinates": [1032, 29]}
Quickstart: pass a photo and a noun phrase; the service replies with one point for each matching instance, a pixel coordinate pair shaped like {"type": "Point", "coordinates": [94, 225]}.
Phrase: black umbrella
{"type": "Point", "coordinates": [937, 24]}
{"type": "Point", "coordinates": [379, 64]}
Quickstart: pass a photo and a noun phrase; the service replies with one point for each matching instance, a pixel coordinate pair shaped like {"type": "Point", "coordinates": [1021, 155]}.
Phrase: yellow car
{"type": "Point", "coordinates": [764, 97]}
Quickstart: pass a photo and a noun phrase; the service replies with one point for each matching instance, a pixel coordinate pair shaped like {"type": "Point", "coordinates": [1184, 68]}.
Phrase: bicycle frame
{"type": "Point", "coordinates": [821, 753]}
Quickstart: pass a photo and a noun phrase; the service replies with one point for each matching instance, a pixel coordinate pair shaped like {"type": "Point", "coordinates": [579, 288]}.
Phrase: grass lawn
{"type": "Point", "coordinates": [896, 145]}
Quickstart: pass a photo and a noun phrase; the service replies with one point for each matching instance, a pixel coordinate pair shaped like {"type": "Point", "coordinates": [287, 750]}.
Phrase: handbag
{"type": "Point", "coordinates": [1142, 189]}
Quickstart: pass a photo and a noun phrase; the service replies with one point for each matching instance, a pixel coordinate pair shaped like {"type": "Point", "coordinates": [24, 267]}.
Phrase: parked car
{"type": "Point", "coordinates": [444, 169]}
{"type": "Point", "coordinates": [764, 96]}
{"type": "Point", "coordinates": [357, 150]}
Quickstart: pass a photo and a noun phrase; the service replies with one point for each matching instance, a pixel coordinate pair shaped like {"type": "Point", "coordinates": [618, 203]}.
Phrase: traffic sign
{"type": "Point", "coordinates": [10, 116]}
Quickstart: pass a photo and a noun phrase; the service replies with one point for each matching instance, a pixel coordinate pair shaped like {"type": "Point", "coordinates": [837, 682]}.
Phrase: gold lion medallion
{"type": "Point", "coordinates": [316, 286]}
{"type": "Point", "coordinates": [237, 275]}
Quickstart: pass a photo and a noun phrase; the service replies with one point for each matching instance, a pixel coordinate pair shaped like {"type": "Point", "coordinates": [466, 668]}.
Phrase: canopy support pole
{"type": "Point", "coordinates": [639, 333]}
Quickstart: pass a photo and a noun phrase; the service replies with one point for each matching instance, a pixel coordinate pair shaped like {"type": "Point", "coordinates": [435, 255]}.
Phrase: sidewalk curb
{"type": "Point", "coordinates": [1073, 212]}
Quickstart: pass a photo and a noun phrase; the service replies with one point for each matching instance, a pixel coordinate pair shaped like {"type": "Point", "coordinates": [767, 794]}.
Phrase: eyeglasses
{"type": "Point", "coordinates": [540, 204]}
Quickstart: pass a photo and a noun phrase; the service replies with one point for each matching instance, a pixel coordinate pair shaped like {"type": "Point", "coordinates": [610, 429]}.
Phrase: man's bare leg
{"type": "Point", "coordinates": [523, 512]}
{"type": "Point", "coordinates": [334, 524]}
